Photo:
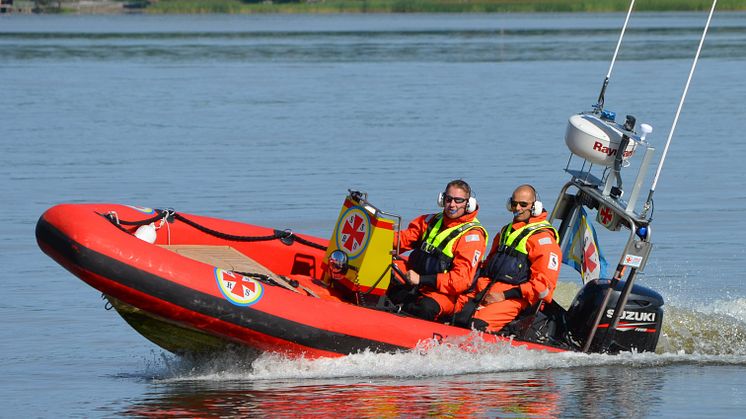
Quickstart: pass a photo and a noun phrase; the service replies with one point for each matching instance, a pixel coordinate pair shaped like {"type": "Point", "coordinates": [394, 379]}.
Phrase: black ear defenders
{"type": "Point", "coordinates": [536, 208]}
{"type": "Point", "coordinates": [471, 204]}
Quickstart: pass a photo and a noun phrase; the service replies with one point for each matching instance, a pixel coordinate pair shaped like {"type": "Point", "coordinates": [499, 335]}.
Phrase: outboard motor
{"type": "Point", "coordinates": [639, 324]}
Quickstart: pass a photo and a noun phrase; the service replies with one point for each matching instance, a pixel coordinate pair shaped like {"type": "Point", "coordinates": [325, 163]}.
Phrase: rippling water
{"type": "Point", "coordinates": [320, 39]}
{"type": "Point", "coordinates": [269, 119]}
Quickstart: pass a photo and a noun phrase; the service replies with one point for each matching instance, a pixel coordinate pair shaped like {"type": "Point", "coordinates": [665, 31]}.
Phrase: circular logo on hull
{"type": "Point", "coordinates": [238, 289]}
{"type": "Point", "coordinates": [353, 232]}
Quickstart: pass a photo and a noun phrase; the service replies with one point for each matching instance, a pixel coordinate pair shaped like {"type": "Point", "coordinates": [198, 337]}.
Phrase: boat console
{"type": "Point", "coordinates": [358, 261]}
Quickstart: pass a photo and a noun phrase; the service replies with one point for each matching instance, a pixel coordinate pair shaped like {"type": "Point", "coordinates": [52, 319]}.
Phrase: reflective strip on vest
{"type": "Point", "coordinates": [436, 239]}
{"type": "Point", "coordinates": [507, 237]}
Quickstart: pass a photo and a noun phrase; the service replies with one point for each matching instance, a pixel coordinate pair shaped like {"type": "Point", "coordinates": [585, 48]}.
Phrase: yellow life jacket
{"type": "Point", "coordinates": [435, 253]}
{"type": "Point", "coordinates": [510, 263]}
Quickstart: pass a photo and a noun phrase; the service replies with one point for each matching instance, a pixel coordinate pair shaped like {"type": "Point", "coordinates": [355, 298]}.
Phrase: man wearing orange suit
{"type": "Point", "coordinates": [522, 267]}
{"type": "Point", "coordinates": [447, 248]}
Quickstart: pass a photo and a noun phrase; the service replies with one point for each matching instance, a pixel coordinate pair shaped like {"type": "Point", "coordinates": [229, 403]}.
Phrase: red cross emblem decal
{"type": "Point", "coordinates": [238, 289]}
{"type": "Point", "coordinates": [242, 284]}
{"type": "Point", "coordinates": [590, 250]}
{"type": "Point", "coordinates": [606, 216]}
{"type": "Point", "coordinates": [633, 261]}
{"type": "Point", "coordinates": [353, 232]}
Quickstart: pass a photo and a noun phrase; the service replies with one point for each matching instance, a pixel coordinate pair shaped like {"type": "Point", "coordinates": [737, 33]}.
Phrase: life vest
{"type": "Point", "coordinates": [435, 253]}
{"type": "Point", "coordinates": [510, 263]}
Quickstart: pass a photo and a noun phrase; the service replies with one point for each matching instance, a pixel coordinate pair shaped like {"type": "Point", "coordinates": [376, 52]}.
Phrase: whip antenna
{"type": "Point", "coordinates": [600, 105]}
{"type": "Point", "coordinates": [649, 201]}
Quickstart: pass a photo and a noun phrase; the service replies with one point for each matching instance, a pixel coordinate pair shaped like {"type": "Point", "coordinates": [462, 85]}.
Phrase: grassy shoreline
{"type": "Point", "coordinates": [372, 6]}
{"type": "Point", "coordinates": [435, 6]}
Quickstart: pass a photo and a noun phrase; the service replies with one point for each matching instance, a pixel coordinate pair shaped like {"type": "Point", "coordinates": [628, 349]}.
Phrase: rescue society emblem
{"type": "Point", "coordinates": [475, 260]}
{"type": "Point", "coordinates": [353, 231]}
{"type": "Point", "coordinates": [238, 289]}
{"type": "Point", "coordinates": [607, 218]}
{"type": "Point", "coordinates": [632, 261]}
{"type": "Point", "coordinates": [553, 261]}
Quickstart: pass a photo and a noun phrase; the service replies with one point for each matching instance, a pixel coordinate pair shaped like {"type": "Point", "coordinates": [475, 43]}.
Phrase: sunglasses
{"type": "Point", "coordinates": [523, 204]}
{"type": "Point", "coordinates": [449, 198]}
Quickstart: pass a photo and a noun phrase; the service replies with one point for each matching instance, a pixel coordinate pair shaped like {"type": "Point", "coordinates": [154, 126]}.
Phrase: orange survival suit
{"type": "Point", "coordinates": [440, 288]}
{"type": "Point", "coordinates": [539, 282]}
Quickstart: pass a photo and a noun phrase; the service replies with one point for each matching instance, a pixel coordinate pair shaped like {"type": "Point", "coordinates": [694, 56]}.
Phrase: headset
{"type": "Point", "coordinates": [471, 203]}
{"type": "Point", "coordinates": [536, 208]}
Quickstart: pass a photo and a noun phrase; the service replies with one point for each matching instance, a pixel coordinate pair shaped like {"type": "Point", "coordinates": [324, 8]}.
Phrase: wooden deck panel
{"type": "Point", "coordinates": [226, 257]}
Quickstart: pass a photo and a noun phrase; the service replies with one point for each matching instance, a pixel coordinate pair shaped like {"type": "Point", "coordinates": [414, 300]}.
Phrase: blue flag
{"type": "Point", "coordinates": [582, 252]}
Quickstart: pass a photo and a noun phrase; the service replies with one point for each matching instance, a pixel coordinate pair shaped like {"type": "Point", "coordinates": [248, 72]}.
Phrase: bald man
{"type": "Point", "coordinates": [523, 266]}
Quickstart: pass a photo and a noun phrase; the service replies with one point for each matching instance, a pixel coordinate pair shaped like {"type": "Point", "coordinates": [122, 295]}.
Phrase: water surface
{"type": "Point", "coordinates": [270, 119]}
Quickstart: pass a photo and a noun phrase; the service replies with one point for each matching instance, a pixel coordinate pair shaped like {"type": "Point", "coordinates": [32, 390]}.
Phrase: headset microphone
{"type": "Point", "coordinates": [536, 208]}
{"type": "Point", "coordinates": [471, 203]}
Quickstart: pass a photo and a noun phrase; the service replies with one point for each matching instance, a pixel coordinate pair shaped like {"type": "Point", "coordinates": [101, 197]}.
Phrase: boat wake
{"type": "Point", "coordinates": [713, 335]}
{"type": "Point", "coordinates": [718, 328]}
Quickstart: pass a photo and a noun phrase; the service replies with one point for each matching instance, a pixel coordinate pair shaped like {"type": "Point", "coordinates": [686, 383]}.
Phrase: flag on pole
{"type": "Point", "coordinates": [582, 251]}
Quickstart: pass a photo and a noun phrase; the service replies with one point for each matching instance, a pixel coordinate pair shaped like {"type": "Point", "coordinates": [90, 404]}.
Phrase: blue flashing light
{"type": "Point", "coordinates": [608, 115]}
{"type": "Point", "coordinates": [642, 232]}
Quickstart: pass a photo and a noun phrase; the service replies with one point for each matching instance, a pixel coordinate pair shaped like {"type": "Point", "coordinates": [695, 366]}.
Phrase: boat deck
{"type": "Point", "coordinates": [228, 258]}
{"type": "Point", "coordinates": [223, 257]}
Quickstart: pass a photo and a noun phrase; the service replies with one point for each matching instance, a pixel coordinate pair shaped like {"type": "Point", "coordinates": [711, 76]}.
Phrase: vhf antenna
{"type": "Point", "coordinates": [649, 202]}
{"type": "Point", "coordinates": [600, 105]}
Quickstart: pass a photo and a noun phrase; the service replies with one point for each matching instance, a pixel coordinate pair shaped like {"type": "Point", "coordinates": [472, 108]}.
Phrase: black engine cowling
{"type": "Point", "coordinates": [639, 325]}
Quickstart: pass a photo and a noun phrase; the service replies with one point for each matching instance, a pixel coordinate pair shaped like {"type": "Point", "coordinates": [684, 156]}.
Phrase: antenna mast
{"type": "Point", "coordinates": [649, 201]}
{"type": "Point", "coordinates": [600, 105]}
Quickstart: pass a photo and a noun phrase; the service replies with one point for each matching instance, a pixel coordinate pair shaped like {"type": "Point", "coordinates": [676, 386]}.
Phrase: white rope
{"type": "Point", "coordinates": [681, 102]}
{"type": "Point", "coordinates": [163, 221]}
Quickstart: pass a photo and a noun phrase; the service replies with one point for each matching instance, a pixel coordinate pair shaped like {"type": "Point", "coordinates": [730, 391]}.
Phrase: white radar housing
{"type": "Point", "coordinates": [596, 140]}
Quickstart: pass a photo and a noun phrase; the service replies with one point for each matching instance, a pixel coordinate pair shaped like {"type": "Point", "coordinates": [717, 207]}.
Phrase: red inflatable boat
{"type": "Point", "coordinates": [204, 283]}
